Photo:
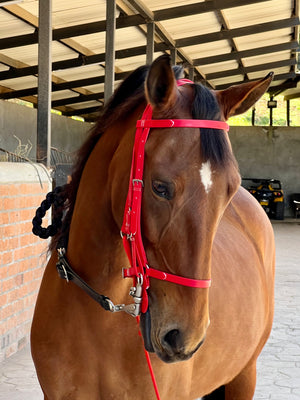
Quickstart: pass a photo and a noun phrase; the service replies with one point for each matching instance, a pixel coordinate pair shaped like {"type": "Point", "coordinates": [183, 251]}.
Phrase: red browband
{"type": "Point", "coordinates": [131, 228]}
{"type": "Point", "coordinates": [182, 123]}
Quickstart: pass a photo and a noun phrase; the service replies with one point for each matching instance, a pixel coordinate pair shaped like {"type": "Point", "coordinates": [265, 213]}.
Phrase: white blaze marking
{"type": "Point", "coordinates": [205, 173]}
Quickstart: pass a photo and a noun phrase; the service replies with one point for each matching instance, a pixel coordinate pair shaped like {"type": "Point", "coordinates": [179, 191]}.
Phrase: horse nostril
{"type": "Point", "coordinates": [173, 339]}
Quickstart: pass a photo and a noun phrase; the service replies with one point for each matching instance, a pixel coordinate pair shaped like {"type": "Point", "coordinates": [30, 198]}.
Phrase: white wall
{"type": "Point", "coordinates": [269, 152]}
{"type": "Point", "coordinates": [21, 121]}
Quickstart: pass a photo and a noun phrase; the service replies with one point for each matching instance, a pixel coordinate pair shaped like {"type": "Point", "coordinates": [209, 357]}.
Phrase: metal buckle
{"type": "Point", "coordinates": [65, 272]}
{"type": "Point", "coordinates": [61, 252]}
{"type": "Point", "coordinates": [129, 236]}
{"type": "Point", "coordinates": [133, 309]}
{"type": "Point", "coordinates": [60, 266]}
{"type": "Point", "coordinates": [138, 181]}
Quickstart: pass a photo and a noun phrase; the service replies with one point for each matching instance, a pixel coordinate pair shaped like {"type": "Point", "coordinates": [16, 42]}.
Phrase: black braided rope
{"type": "Point", "coordinates": [57, 197]}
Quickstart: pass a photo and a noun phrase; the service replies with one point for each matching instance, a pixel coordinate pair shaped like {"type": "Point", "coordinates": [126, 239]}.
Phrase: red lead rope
{"type": "Point", "coordinates": [131, 228]}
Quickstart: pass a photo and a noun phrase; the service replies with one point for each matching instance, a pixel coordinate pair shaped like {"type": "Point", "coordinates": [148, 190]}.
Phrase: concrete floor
{"type": "Point", "coordinates": [278, 375]}
{"type": "Point", "coordinates": [279, 363]}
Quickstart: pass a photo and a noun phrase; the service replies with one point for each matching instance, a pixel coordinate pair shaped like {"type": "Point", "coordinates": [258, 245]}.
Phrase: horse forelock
{"type": "Point", "coordinates": [214, 143]}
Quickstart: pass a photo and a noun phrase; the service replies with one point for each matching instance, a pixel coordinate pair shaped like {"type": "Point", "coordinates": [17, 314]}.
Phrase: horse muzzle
{"type": "Point", "coordinates": [172, 348]}
{"type": "Point", "coordinates": [169, 346]}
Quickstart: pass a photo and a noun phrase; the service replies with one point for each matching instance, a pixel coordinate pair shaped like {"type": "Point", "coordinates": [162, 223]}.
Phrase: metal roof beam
{"type": "Point", "coordinates": [292, 96]}
{"type": "Point", "coordinates": [125, 21]}
{"type": "Point", "coordinates": [68, 85]}
{"type": "Point", "coordinates": [279, 77]}
{"type": "Point", "coordinates": [289, 84]}
{"type": "Point", "coordinates": [82, 111]}
{"type": "Point", "coordinates": [100, 95]}
{"type": "Point", "coordinates": [167, 40]}
{"type": "Point", "coordinates": [162, 33]}
{"type": "Point", "coordinates": [225, 26]}
{"type": "Point", "coordinates": [238, 32]}
{"type": "Point", "coordinates": [99, 58]}
{"type": "Point", "coordinates": [80, 61]}
{"type": "Point", "coordinates": [78, 99]}
{"type": "Point", "coordinates": [71, 31]}
{"type": "Point", "coordinates": [253, 68]}
{"type": "Point", "coordinates": [142, 9]}
{"type": "Point", "coordinates": [200, 8]}
{"type": "Point", "coordinates": [277, 90]}
{"type": "Point", "coordinates": [257, 51]}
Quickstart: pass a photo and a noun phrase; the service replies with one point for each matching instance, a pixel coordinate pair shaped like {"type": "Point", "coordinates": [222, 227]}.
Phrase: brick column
{"type": "Point", "coordinates": [22, 255]}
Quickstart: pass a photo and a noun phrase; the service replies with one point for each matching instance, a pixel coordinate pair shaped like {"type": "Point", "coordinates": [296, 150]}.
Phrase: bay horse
{"type": "Point", "coordinates": [197, 223]}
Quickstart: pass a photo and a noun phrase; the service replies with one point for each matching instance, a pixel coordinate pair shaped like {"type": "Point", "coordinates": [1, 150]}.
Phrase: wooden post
{"type": "Point", "coordinates": [44, 83]}
{"type": "Point", "coordinates": [150, 42]}
{"type": "Point", "coordinates": [253, 116]}
{"type": "Point", "coordinates": [173, 53]}
{"type": "Point", "coordinates": [288, 112]}
{"type": "Point", "coordinates": [191, 73]}
{"type": "Point", "coordinates": [110, 49]}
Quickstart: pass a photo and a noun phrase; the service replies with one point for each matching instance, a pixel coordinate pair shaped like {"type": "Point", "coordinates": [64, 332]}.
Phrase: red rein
{"type": "Point", "coordinates": [131, 228]}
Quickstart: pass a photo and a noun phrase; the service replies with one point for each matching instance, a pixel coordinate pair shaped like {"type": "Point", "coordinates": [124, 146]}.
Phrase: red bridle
{"type": "Point", "coordinates": [131, 228]}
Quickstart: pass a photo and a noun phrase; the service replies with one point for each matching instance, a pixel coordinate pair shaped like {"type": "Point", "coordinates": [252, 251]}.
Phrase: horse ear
{"type": "Point", "coordinates": [239, 98]}
{"type": "Point", "coordinates": [161, 87]}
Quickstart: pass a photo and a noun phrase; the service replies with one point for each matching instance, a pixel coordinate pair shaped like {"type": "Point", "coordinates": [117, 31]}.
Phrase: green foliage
{"type": "Point", "coordinates": [242, 120]}
{"type": "Point", "coordinates": [262, 113]}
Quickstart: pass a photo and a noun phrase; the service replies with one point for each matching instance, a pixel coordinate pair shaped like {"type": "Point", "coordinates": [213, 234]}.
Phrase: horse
{"type": "Point", "coordinates": [196, 222]}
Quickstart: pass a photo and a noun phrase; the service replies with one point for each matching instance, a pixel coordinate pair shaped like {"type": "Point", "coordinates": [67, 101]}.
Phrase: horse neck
{"type": "Point", "coordinates": [95, 248]}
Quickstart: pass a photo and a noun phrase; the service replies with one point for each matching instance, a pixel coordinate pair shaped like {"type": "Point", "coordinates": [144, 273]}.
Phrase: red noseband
{"type": "Point", "coordinates": [131, 228]}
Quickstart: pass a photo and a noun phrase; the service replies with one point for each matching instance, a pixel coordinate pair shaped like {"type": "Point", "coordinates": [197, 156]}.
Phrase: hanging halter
{"type": "Point", "coordinates": [131, 228]}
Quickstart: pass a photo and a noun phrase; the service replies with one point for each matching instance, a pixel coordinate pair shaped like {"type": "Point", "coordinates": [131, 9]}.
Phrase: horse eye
{"type": "Point", "coordinates": [163, 189]}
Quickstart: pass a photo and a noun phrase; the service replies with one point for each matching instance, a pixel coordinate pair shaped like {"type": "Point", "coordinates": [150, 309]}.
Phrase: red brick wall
{"type": "Point", "coordinates": [22, 255]}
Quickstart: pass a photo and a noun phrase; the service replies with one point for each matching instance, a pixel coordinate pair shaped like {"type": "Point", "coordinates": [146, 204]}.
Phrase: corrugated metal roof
{"type": "Point", "coordinates": [222, 41]}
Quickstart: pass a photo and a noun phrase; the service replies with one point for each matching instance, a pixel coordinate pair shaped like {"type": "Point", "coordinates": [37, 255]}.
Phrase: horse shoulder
{"type": "Point", "coordinates": [244, 252]}
{"type": "Point", "coordinates": [249, 218]}
{"type": "Point", "coordinates": [249, 238]}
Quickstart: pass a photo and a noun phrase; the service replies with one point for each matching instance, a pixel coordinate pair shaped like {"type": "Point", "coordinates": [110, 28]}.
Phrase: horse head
{"type": "Point", "coordinates": [190, 176]}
